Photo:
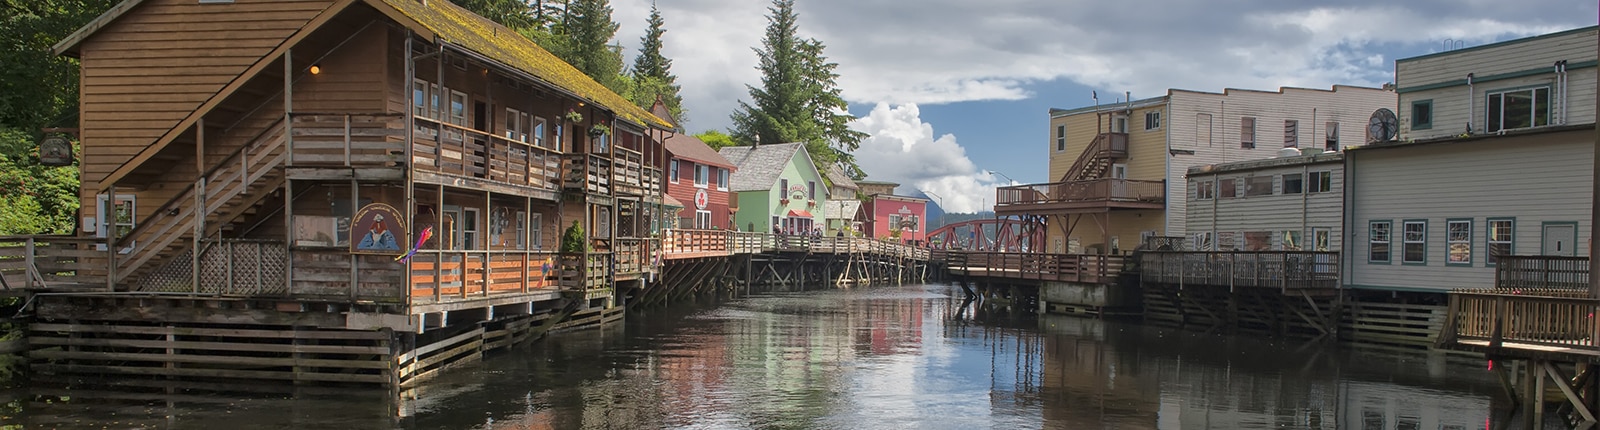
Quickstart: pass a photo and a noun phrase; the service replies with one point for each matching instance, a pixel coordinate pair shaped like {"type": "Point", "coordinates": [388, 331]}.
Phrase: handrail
{"type": "Point", "coordinates": [187, 193]}
{"type": "Point", "coordinates": [1108, 189]}
{"type": "Point", "coordinates": [1283, 270]}
{"type": "Point", "coordinates": [1534, 318]}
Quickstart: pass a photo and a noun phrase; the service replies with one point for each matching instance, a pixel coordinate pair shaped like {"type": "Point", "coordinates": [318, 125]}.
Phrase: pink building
{"type": "Point", "coordinates": [891, 212]}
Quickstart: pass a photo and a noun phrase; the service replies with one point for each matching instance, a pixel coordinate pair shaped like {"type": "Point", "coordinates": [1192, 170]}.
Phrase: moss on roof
{"type": "Point", "coordinates": [458, 26]}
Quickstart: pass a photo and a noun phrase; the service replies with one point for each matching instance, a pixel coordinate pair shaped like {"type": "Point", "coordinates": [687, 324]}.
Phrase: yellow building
{"type": "Point", "coordinates": [1117, 164]}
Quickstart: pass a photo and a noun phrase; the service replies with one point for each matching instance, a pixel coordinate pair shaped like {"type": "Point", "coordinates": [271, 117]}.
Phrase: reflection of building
{"type": "Point", "coordinates": [891, 213]}
{"type": "Point", "coordinates": [777, 186]}
{"type": "Point", "coordinates": [698, 177]}
{"type": "Point", "coordinates": [1121, 165]}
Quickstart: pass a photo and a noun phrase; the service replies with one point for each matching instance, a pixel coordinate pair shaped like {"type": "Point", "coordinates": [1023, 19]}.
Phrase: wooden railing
{"type": "Point", "coordinates": [1093, 191]}
{"type": "Point", "coordinates": [587, 172]}
{"type": "Point", "coordinates": [634, 255]}
{"type": "Point", "coordinates": [1516, 272]}
{"type": "Point", "coordinates": [1284, 270]}
{"type": "Point", "coordinates": [1087, 268]}
{"type": "Point", "coordinates": [349, 140]}
{"type": "Point", "coordinates": [628, 172]}
{"type": "Point", "coordinates": [445, 275]}
{"type": "Point", "coordinates": [448, 148]}
{"type": "Point", "coordinates": [51, 262]}
{"type": "Point", "coordinates": [1104, 147]}
{"type": "Point", "coordinates": [588, 273]}
{"type": "Point", "coordinates": [1531, 320]}
{"type": "Point", "coordinates": [227, 267]}
{"type": "Point", "coordinates": [690, 243]}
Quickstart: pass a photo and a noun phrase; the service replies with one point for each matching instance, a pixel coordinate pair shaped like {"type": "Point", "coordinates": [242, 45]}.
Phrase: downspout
{"type": "Point", "coordinates": [1166, 221]}
{"type": "Point", "coordinates": [1472, 105]}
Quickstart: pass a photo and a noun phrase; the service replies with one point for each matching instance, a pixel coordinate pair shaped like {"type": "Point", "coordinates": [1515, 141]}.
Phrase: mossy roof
{"type": "Point", "coordinates": [454, 25]}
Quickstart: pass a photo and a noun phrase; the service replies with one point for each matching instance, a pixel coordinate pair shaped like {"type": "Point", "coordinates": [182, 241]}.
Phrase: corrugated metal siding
{"type": "Point", "coordinates": [1537, 178]}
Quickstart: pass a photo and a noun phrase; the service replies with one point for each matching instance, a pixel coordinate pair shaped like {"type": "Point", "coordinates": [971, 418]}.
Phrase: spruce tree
{"type": "Point", "coordinates": [799, 99]}
{"type": "Point", "coordinates": [652, 72]}
{"type": "Point", "coordinates": [589, 30]}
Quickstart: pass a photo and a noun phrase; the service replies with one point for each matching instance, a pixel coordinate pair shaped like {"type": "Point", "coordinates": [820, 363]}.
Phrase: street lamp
{"type": "Point", "coordinates": [1008, 178]}
{"type": "Point", "coordinates": [939, 200]}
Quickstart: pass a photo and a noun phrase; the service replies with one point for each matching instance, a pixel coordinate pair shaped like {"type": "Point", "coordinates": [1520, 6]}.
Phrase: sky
{"type": "Point", "coordinates": [955, 94]}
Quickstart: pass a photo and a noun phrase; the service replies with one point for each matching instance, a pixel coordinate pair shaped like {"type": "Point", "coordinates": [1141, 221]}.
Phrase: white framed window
{"type": "Point", "coordinates": [1291, 133]}
{"type": "Point", "coordinates": [1518, 108]}
{"type": "Point", "coordinates": [722, 179]}
{"type": "Point", "coordinates": [894, 222]}
{"type": "Point", "coordinates": [469, 228]}
{"type": "Point", "coordinates": [1119, 171]}
{"type": "Point", "coordinates": [1378, 241]}
{"type": "Point", "coordinates": [1061, 138]}
{"type": "Point", "coordinates": [1331, 141]}
{"type": "Point", "coordinates": [1152, 120]}
{"type": "Point", "coordinates": [536, 230]}
{"type": "Point", "coordinates": [536, 132]}
{"type": "Point", "coordinates": [702, 175]}
{"type": "Point", "coordinates": [1293, 183]}
{"type": "Point", "coordinates": [1247, 132]}
{"type": "Point", "coordinates": [457, 114]}
{"type": "Point", "coordinates": [119, 216]}
{"type": "Point", "coordinates": [913, 223]}
{"type": "Point", "coordinates": [1321, 239]}
{"type": "Point", "coordinates": [1204, 190]}
{"type": "Point", "coordinates": [1502, 233]}
{"type": "Point", "coordinates": [521, 229]}
{"type": "Point", "coordinates": [1458, 242]}
{"type": "Point", "coordinates": [1321, 182]}
{"type": "Point", "coordinates": [702, 219]}
{"type": "Point", "coordinates": [516, 125]}
{"type": "Point", "coordinates": [672, 169]}
{"type": "Point", "coordinates": [1415, 243]}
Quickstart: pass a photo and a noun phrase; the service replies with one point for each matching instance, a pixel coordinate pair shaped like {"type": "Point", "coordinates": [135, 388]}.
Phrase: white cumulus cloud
{"type": "Point", "coordinates": [903, 149]}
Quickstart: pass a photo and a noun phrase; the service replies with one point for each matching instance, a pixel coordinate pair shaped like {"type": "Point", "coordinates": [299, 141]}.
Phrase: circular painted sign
{"type": "Point", "coordinates": [701, 199]}
{"type": "Point", "coordinates": [55, 151]}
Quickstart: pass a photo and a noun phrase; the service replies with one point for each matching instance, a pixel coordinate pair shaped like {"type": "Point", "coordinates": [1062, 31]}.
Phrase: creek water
{"type": "Point", "coordinates": [884, 357]}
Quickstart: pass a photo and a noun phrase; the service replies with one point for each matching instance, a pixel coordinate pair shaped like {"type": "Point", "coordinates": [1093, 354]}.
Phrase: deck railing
{"type": "Point", "coordinates": [1091, 191]}
{"type": "Point", "coordinates": [466, 152]}
{"type": "Point", "coordinates": [1090, 268]}
{"type": "Point", "coordinates": [353, 140]}
{"type": "Point", "coordinates": [1284, 270]}
{"type": "Point", "coordinates": [1541, 272]}
{"type": "Point", "coordinates": [52, 262]}
{"type": "Point", "coordinates": [1533, 319]}
{"type": "Point", "coordinates": [443, 275]}
{"type": "Point", "coordinates": [692, 243]}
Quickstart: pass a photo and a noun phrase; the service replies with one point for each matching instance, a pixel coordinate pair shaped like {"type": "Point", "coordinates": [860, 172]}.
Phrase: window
{"type": "Point", "coordinates": [1422, 114]}
{"type": "Point", "coordinates": [1501, 234]}
{"type": "Point", "coordinates": [1321, 182]}
{"type": "Point", "coordinates": [1228, 188]}
{"type": "Point", "coordinates": [420, 95]}
{"type": "Point", "coordinates": [672, 168]}
{"type": "Point", "coordinates": [1332, 142]}
{"type": "Point", "coordinates": [1291, 240]}
{"type": "Point", "coordinates": [536, 230]}
{"type": "Point", "coordinates": [722, 179]}
{"type": "Point", "coordinates": [783, 189]}
{"type": "Point", "coordinates": [536, 135]}
{"type": "Point", "coordinates": [516, 125]}
{"type": "Point", "coordinates": [1257, 240]}
{"type": "Point", "coordinates": [1322, 238]}
{"type": "Point", "coordinates": [1202, 241]}
{"type": "Point", "coordinates": [601, 143]}
{"type": "Point", "coordinates": [118, 216]}
{"type": "Point", "coordinates": [894, 222]}
{"type": "Point", "coordinates": [1119, 124]}
{"type": "Point", "coordinates": [1258, 186]}
{"type": "Point", "coordinates": [1415, 243]}
{"type": "Point", "coordinates": [1510, 110]}
{"type": "Point", "coordinates": [702, 219]}
{"type": "Point", "coordinates": [1293, 183]}
{"type": "Point", "coordinates": [811, 190]}
{"type": "Point", "coordinates": [1203, 190]}
{"type": "Point", "coordinates": [469, 229]}
{"type": "Point", "coordinates": [1247, 132]}
{"type": "Point", "coordinates": [1226, 241]}
{"type": "Point", "coordinates": [521, 230]}
{"type": "Point", "coordinates": [1061, 138]}
{"type": "Point", "coordinates": [458, 114]}
{"type": "Point", "coordinates": [702, 175]}
{"type": "Point", "coordinates": [1458, 242]}
{"type": "Point", "coordinates": [914, 223]}
{"type": "Point", "coordinates": [1291, 133]}
{"type": "Point", "coordinates": [1378, 241]}
{"type": "Point", "coordinates": [1152, 120]}
{"type": "Point", "coordinates": [1202, 129]}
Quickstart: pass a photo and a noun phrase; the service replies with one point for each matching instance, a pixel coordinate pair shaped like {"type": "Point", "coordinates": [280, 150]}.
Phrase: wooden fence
{"type": "Point", "coordinates": [1086, 268]}
{"type": "Point", "coordinates": [1286, 270]}
{"type": "Point", "coordinates": [1541, 272]}
{"type": "Point", "coordinates": [1547, 320]}
{"type": "Point", "coordinates": [45, 262]}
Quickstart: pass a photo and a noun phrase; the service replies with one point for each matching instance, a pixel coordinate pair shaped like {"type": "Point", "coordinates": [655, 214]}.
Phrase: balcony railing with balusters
{"type": "Point", "coordinates": [1098, 194]}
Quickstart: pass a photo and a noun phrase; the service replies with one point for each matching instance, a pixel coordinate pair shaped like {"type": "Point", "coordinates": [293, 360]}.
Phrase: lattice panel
{"type": "Point", "coordinates": [244, 268]}
{"type": "Point", "coordinates": [173, 277]}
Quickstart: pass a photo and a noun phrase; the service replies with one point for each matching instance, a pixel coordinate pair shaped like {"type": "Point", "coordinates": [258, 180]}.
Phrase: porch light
{"type": "Point", "coordinates": [316, 69]}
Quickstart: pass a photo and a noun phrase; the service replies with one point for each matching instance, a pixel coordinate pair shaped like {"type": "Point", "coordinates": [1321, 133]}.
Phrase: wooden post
{"type": "Point", "coordinates": [110, 222]}
{"type": "Point", "coordinates": [200, 211]}
{"type": "Point", "coordinates": [288, 183]}
{"type": "Point", "coordinates": [29, 270]}
{"type": "Point", "coordinates": [410, 169]}
{"type": "Point", "coordinates": [355, 207]}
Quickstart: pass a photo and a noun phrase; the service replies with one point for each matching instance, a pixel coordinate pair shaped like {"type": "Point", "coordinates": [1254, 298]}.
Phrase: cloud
{"type": "Point", "coordinates": [903, 149]}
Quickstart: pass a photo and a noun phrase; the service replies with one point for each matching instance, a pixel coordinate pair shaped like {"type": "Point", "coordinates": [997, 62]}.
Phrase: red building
{"type": "Point", "coordinates": [698, 176]}
{"type": "Point", "coordinates": [907, 214]}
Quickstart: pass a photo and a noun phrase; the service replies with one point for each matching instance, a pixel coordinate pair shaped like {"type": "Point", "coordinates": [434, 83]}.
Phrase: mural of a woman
{"type": "Point", "coordinates": [377, 224]}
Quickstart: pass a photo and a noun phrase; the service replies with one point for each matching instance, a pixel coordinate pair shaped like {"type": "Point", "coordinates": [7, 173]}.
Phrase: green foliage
{"type": "Point", "coordinates": [716, 139]}
{"type": "Point", "coordinates": [573, 240]}
{"type": "Point", "coordinates": [37, 199]}
{"type": "Point", "coordinates": [652, 72]}
{"type": "Point", "coordinates": [587, 31]}
{"type": "Point", "coordinates": [799, 99]}
{"type": "Point", "coordinates": [520, 15]}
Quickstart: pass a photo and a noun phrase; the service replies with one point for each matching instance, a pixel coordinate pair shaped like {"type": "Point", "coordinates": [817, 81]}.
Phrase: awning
{"type": "Point", "coordinates": [799, 213]}
{"type": "Point", "coordinates": [666, 199]}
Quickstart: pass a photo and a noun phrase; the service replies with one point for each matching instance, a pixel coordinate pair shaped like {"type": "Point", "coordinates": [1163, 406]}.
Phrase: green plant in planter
{"type": "Point", "coordinates": [599, 130]}
{"type": "Point", "coordinates": [574, 116]}
{"type": "Point", "coordinates": [573, 240]}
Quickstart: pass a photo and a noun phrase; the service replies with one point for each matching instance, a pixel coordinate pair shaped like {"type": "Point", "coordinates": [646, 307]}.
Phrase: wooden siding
{"type": "Point", "coordinates": [1520, 64]}
{"type": "Point", "coordinates": [1313, 109]}
{"type": "Point", "coordinates": [1534, 179]}
{"type": "Point", "coordinates": [1275, 213]}
{"type": "Point", "coordinates": [716, 198]}
{"type": "Point", "coordinates": [153, 66]}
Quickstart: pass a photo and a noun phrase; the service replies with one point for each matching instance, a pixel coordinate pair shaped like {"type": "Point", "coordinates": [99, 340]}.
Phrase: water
{"type": "Point", "coordinates": [865, 358]}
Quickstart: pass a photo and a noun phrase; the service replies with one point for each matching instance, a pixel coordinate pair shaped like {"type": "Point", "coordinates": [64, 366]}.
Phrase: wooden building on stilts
{"type": "Point", "coordinates": [353, 191]}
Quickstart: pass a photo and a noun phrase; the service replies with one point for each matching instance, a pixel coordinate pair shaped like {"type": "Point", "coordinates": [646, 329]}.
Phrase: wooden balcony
{"type": "Point", "coordinates": [1550, 324]}
{"type": "Point", "coordinates": [1281, 270]}
{"type": "Point", "coordinates": [444, 276]}
{"type": "Point", "coordinates": [45, 263]}
{"type": "Point", "coordinates": [1097, 195]}
{"type": "Point", "coordinates": [459, 151]}
{"type": "Point", "coordinates": [1084, 268]}
{"type": "Point", "coordinates": [1519, 272]}
{"type": "Point", "coordinates": [347, 140]}
{"type": "Point", "coordinates": [590, 173]}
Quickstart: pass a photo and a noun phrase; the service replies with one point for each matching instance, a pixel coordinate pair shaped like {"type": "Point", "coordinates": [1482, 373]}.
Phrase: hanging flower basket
{"type": "Point", "coordinates": [599, 130]}
{"type": "Point", "coordinates": [574, 116]}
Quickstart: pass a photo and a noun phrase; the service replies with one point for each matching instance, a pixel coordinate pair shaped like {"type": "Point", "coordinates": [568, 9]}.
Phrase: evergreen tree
{"type": "Point", "coordinates": [652, 72]}
{"type": "Point", "coordinates": [588, 33]}
{"type": "Point", "coordinates": [716, 139]}
{"type": "Point", "coordinates": [798, 100]}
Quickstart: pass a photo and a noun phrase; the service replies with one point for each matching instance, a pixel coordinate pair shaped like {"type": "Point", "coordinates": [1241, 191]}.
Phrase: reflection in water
{"type": "Point", "coordinates": [888, 357]}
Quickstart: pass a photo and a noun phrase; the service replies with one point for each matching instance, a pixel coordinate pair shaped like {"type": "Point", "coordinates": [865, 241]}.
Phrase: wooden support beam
{"type": "Point", "coordinates": [1561, 380]}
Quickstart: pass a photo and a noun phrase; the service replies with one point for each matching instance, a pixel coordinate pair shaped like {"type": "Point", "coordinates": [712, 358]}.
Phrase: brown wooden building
{"type": "Point", "coordinates": [280, 157]}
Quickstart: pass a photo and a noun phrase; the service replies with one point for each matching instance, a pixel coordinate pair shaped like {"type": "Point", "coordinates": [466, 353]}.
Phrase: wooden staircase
{"type": "Point", "coordinates": [1096, 160]}
{"type": "Point", "coordinates": [231, 190]}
